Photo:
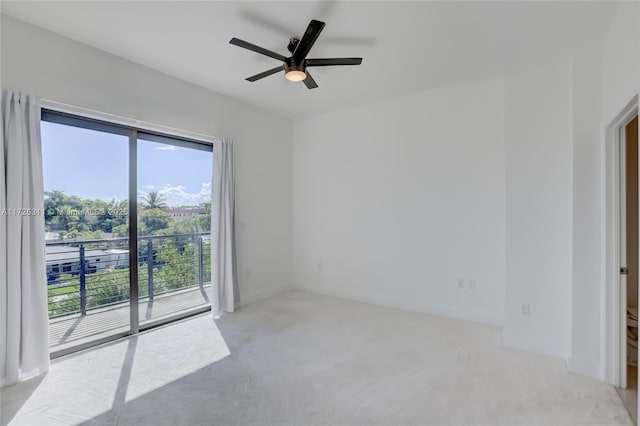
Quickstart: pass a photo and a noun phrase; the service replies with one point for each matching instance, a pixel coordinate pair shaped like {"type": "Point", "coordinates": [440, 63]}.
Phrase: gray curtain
{"type": "Point", "coordinates": [223, 236]}
{"type": "Point", "coordinates": [24, 322]}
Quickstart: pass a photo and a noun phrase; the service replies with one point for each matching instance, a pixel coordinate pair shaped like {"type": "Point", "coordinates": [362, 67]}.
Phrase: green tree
{"type": "Point", "coordinates": [154, 220]}
{"type": "Point", "coordinates": [121, 230]}
{"type": "Point", "coordinates": [153, 200]}
{"type": "Point", "coordinates": [189, 225]}
{"type": "Point", "coordinates": [73, 216]}
{"type": "Point", "coordinates": [205, 219]}
{"type": "Point", "coordinates": [61, 211]}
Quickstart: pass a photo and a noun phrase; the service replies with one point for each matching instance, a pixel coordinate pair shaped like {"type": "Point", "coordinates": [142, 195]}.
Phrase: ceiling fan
{"type": "Point", "coordinates": [295, 66]}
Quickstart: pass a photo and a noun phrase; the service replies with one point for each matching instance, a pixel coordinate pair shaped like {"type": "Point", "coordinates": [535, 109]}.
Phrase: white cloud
{"type": "Point", "coordinates": [166, 148]}
{"type": "Point", "coordinates": [177, 195]}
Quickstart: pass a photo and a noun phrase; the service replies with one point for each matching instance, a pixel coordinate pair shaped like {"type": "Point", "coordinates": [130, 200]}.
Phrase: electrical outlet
{"type": "Point", "coordinates": [461, 282]}
{"type": "Point", "coordinates": [471, 284]}
{"type": "Point", "coordinates": [526, 309]}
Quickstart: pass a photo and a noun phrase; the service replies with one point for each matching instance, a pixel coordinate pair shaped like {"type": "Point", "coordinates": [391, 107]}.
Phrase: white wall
{"type": "Point", "coordinates": [621, 68]}
{"type": "Point", "coordinates": [588, 234]}
{"type": "Point", "coordinates": [57, 68]}
{"type": "Point", "coordinates": [538, 208]}
{"type": "Point", "coordinates": [396, 200]}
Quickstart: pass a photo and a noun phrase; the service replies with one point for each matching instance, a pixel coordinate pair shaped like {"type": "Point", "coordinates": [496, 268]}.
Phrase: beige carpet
{"type": "Point", "coordinates": [301, 359]}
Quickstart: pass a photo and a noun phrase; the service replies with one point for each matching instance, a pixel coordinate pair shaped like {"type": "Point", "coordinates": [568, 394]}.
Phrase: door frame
{"type": "Point", "coordinates": [613, 328]}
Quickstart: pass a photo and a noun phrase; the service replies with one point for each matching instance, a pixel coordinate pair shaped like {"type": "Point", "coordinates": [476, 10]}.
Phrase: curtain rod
{"type": "Point", "coordinates": [118, 119]}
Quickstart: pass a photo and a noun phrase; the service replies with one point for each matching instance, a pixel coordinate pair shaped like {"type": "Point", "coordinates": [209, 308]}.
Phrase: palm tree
{"type": "Point", "coordinates": [153, 200]}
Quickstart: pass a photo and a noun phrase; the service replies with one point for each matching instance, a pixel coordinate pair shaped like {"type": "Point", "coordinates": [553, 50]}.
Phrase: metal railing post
{"type": "Point", "coordinates": [150, 267]}
{"type": "Point", "coordinates": [83, 282]}
{"type": "Point", "coordinates": [200, 262]}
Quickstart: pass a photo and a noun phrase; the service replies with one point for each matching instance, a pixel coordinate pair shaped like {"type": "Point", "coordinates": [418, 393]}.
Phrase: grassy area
{"type": "Point", "coordinates": [62, 289]}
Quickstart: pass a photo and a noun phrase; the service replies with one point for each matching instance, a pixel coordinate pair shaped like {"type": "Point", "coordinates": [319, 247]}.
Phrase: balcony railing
{"type": "Point", "coordinates": [94, 274]}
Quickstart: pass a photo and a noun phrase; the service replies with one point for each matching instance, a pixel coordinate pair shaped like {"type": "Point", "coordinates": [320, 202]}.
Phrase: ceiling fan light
{"type": "Point", "coordinates": [295, 75]}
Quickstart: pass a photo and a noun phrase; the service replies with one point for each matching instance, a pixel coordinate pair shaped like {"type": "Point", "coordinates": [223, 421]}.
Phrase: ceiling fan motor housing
{"type": "Point", "coordinates": [292, 65]}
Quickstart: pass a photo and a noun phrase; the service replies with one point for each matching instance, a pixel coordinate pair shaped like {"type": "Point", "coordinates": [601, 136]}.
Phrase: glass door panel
{"type": "Point", "coordinates": [174, 223]}
{"type": "Point", "coordinates": [86, 223]}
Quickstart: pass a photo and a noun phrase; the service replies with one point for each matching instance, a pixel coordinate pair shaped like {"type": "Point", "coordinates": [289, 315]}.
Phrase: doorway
{"type": "Point", "coordinates": [629, 255]}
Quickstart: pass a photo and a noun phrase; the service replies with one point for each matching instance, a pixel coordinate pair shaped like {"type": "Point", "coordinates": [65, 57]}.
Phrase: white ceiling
{"type": "Point", "coordinates": [406, 46]}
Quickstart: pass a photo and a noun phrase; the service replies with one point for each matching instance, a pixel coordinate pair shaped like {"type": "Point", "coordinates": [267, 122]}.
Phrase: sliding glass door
{"type": "Point", "coordinates": [127, 217]}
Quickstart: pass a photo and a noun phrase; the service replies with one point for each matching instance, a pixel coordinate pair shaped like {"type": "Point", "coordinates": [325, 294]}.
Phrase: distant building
{"type": "Point", "coordinates": [182, 213]}
{"type": "Point", "coordinates": [62, 259]}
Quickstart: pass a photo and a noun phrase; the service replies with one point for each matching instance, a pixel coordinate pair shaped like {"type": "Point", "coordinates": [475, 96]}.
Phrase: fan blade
{"type": "Point", "coordinates": [308, 39]}
{"type": "Point", "coordinates": [265, 73]}
{"type": "Point", "coordinates": [333, 61]}
{"type": "Point", "coordinates": [257, 49]}
{"type": "Point", "coordinates": [310, 82]}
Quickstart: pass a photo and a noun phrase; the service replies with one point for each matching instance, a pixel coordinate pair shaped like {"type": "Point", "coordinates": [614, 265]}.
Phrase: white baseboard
{"type": "Point", "coordinates": [411, 305]}
{"type": "Point", "coordinates": [524, 343]}
{"type": "Point", "coordinates": [255, 296]}
{"type": "Point", "coordinates": [583, 367]}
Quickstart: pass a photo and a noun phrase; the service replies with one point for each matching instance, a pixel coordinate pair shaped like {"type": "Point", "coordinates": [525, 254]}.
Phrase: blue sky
{"type": "Point", "coordinates": [94, 165]}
